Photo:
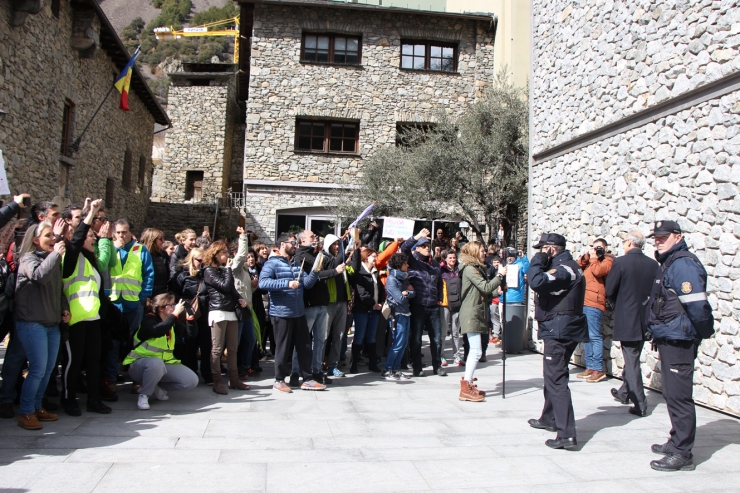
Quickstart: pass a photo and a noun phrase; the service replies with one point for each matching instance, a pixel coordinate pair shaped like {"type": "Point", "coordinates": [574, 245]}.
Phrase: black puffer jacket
{"type": "Point", "coordinates": [185, 286]}
{"type": "Point", "coordinates": [176, 259]}
{"type": "Point", "coordinates": [362, 281]}
{"type": "Point", "coordinates": [161, 273]}
{"type": "Point", "coordinates": [222, 295]}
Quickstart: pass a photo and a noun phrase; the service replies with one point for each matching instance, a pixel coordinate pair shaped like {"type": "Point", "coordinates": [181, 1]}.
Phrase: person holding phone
{"type": "Point", "coordinates": [152, 358]}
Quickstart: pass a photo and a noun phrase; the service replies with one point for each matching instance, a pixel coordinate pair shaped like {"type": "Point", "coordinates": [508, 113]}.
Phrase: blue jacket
{"type": "Point", "coordinates": [396, 282]}
{"type": "Point", "coordinates": [277, 272]}
{"type": "Point", "coordinates": [688, 279]}
{"type": "Point", "coordinates": [517, 295]}
{"type": "Point", "coordinates": [147, 275]}
{"type": "Point", "coordinates": [425, 276]}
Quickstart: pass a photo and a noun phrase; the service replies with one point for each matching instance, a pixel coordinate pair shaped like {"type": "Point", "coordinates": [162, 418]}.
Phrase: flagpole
{"type": "Point", "coordinates": [75, 146]}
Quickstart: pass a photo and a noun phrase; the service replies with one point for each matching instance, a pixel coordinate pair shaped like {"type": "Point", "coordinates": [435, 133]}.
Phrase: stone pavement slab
{"type": "Point", "coordinates": [366, 435]}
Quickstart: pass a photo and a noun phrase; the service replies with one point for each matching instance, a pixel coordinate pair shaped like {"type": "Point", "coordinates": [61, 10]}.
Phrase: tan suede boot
{"type": "Point", "coordinates": [218, 383]}
{"type": "Point", "coordinates": [468, 393]}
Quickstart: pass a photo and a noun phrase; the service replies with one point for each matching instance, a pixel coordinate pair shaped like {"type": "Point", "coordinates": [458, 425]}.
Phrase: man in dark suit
{"type": "Point", "coordinates": [628, 289]}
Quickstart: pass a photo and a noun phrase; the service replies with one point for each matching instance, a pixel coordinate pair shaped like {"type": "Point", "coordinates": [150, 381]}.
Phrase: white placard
{"type": "Point", "coordinates": [512, 276]}
{"type": "Point", "coordinates": [396, 227]}
{"type": "Point", "coordinates": [4, 189]}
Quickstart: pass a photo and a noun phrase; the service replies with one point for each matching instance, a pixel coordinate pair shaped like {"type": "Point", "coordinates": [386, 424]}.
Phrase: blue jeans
{"type": "Point", "coordinates": [400, 340]}
{"type": "Point", "coordinates": [134, 322]}
{"type": "Point", "coordinates": [317, 320]}
{"type": "Point", "coordinates": [41, 345]}
{"type": "Point", "coordinates": [247, 339]}
{"type": "Point", "coordinates": [15, 356]}
{"type": "Point", "coordinates": [366, 325]}
{"type": "Point", "coordinates": [595, 345]}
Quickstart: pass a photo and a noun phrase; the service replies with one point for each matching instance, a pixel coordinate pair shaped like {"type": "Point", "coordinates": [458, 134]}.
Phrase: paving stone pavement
{"type": "Point", "coordinates": [365, 435]}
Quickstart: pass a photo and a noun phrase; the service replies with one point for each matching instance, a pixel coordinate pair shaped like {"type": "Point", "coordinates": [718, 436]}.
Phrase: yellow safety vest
{"type": "Point", "coordinates": [82, 292]}
{"type": "Point", "coordinates": [160, 348]}
{"type": "Point", "coordinates": [126, 281]}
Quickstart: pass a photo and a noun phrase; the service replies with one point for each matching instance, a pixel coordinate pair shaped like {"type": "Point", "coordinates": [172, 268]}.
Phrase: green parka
{"type": "Point", "coordinates": [477, 293]}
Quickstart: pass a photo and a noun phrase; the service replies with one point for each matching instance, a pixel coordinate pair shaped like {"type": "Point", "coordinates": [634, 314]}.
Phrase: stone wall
{"type": "Point", "coordinates": [201, 138]}
{"type": "Point", "coordinates": [598, 61]}
{"type": "Point", "coordinates": [173, 218]}
{"type": "Point", "coordinates": [38, 71]}
{"type": "Point", "coordinates": [378, 94]}
{"type": "Point", "coordinates": [684, 166]}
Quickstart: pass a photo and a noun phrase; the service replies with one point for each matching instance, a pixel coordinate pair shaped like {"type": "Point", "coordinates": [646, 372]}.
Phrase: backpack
{"type": "Point", "coordinates": [454, 293]}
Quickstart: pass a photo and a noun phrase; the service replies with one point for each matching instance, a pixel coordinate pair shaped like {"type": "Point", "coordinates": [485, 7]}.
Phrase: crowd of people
{"type": "Point", "coordinates": [84, 300]}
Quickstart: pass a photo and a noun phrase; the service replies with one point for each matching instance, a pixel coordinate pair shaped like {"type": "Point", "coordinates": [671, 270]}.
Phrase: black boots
{"type": "Point", "coordinates": [356, 349]}
{"type": "Point", "coordinates": [373, 357]}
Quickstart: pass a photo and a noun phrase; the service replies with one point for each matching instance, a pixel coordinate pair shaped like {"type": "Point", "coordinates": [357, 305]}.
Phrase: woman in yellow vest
{"type": "Point", "coordinates": [82, 286]}
{"type": "Point", "coordinates": [152, 360]}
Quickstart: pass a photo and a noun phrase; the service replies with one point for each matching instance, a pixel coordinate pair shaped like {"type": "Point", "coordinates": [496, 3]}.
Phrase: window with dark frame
{"type": "Point", "coordinates": [193, 185]}
{"type": "Point", "coordinates": [331, 48]}
{"type": "Point", "coordinates": [142, 172]}
{"type": "Point", "coordinates": [110, 189]}
{"type": "Point", "coordinates": [429, 55]}
{"type": "Point", "coordinates": [327, 136]}
{"type": "Point", "coordinates": [68, 123]}
{"type": "Point", "coordinates": [127, 164]}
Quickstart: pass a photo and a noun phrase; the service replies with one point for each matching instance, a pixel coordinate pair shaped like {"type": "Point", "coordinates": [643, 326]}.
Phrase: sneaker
{"type": "Point", "coordinates": [29, 422]}
{"type": "Point", "coordinates": [419, 373]}
{"type": "Point", "coordinates": [44, 415]}
{"type": "Point", "coordinates": [312, 385]}
{"type": "Point", "coordinates": [494, 340]}
{"type": "Point", "coordinates": [443, 362]}
{"type": "Point", "coordinates": [401, 375]}
{"type": "Point", "coordinates": [596, 376]}
{"type": "Point", "coordinates": [441, 372]}
{"type": "Point", "coordinates": [282, 387]}
{"type": "Point", "coordinates": [160, 393]}
{"type": "Point", "coordinates": [143, 403]}
{"type": "Point", "coordinates": [459, 361]}
{"type": "Point", "coordinates": [294, 382]}
{"type": "Point", "coordinates": [6, 410]}
{"type": "Point", "coordinates": [585, 374]}
{"type": "Point", "coordinates": [387, 375]}
{"type": "Point", "coordinates": [322, 378]}
{"type": "Point", "coordinates": [336, 373]}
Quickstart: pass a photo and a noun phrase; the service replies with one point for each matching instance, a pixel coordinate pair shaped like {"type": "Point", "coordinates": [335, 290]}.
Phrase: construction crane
{"type": "Point", "coordinates": [169, 34]}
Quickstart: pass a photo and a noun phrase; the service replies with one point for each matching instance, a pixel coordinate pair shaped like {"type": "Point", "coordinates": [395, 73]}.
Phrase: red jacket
{"type": "Point", "coordinates": [595, 271]}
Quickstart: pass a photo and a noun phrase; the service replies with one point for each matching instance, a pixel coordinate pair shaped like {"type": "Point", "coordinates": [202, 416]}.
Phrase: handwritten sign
{"type": "Point", "coordinates": [4, 189]}
{"type": "Point", "coordinates": [512, 276]}
{"type": "Point", "coordinates": [396, 227]}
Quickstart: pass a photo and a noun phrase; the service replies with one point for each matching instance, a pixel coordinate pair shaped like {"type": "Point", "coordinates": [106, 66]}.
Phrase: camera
{"type": "Point", "coordinates": [600, 252]}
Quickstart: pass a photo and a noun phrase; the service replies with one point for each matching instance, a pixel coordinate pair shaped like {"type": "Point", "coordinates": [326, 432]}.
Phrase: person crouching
{"type": "Point", "coordinates": [152, 360]}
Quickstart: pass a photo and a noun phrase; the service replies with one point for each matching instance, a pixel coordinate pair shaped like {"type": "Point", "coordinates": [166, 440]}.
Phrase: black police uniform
{"type": "Point", "coordinates": [560, 287]}
{"type": "Point", "coordinates": [678, 316]}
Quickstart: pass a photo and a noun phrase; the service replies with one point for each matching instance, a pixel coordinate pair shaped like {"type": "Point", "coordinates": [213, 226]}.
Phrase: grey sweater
{"type": "Point", "coordinates": [38, 291]}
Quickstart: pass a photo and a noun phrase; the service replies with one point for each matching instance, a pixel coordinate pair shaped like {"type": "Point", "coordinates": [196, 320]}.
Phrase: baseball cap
{"type": "Point", "coordinates": [665, 228]}
{"type": "Point", "coordinates": [550, 239]}
{"type": "Point", "coordinates": [421, 242]}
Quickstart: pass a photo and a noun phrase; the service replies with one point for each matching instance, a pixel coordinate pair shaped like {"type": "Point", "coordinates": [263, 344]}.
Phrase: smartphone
{"type": "Point", "coordinates": [27, 201]}
{"type": "Point", "coordinates": [189, 309]}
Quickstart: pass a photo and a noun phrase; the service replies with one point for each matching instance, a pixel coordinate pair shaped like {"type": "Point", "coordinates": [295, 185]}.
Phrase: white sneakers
{"type": "Point", "coordinates": [160, 393]}
{"type": "Point", "coordinates": [143, 403]}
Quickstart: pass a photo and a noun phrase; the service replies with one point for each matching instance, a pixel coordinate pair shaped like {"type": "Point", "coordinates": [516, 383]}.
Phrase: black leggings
{"type": "Point", "coordinates": [83, 345]}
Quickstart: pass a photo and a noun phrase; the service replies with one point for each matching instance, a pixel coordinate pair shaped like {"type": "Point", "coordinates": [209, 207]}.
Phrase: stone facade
{"type": "Point", "coordinates": [377, 94]}
{"type": "Point", "coordinates": [203, 110]}
{"type": "Point", "coordinates": [40, 68]}
{"type": "Point", "coordinates": [595, 62]}
{"type": "Point", "coordinates": [684, 166]}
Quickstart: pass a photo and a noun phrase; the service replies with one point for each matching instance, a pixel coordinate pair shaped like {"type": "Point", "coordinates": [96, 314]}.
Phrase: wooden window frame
{"type": "Point", "coordinates": [327, 136]}
{"type": "Point", "coordinates": [190, 189]}
{"type": "Point", "coordinates": [428, 55]}
{"type": "Point", "coordinates": [68, 128]}
{"type": "Point", "coordinates": [332, 37]}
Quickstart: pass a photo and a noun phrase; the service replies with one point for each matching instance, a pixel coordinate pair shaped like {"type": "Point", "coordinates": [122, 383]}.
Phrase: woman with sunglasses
{"type": "Point", "coordinates": [222, 302]}
{"type": "Point", "coordinates": [152, 358]}
{"type": "Point", "coordinates": [187, 285]}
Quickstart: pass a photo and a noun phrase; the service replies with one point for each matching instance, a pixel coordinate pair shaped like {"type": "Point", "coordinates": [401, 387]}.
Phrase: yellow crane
{"type": "Point", "coordinates": [170, 34]}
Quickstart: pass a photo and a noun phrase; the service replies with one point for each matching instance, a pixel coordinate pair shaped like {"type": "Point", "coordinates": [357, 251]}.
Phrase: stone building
{"type": "Point", "coordinates": [330, 82]}
{"type": "Point", "coordinates": [635, 116]}
{"type": "Point", "coordinates": [58, 61]}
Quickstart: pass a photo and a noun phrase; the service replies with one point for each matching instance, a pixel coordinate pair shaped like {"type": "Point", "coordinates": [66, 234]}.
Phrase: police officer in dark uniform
{"type": "Point", "coordinates": [560, 288]}
{"type": "Point", "coordinates": [678, 316]}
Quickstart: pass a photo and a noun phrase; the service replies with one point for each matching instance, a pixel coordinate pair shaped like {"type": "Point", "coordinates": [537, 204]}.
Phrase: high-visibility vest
{"type": "Point", "coordinates": [126, 281]}
{"type": "Point", "coordinates": [160, 348]}
{"type": "Point", "coordinates": [82, 291]}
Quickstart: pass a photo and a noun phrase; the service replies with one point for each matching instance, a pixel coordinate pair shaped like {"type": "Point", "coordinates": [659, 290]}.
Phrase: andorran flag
{"type": "Point", "coordinates": [123, 81]}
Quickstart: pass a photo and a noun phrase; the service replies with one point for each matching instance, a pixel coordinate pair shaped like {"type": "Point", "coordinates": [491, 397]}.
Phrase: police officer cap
{"type": "Point", "coordinates": [665, 228]}
{"type": "Point", "coordinates": [551, 239]}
